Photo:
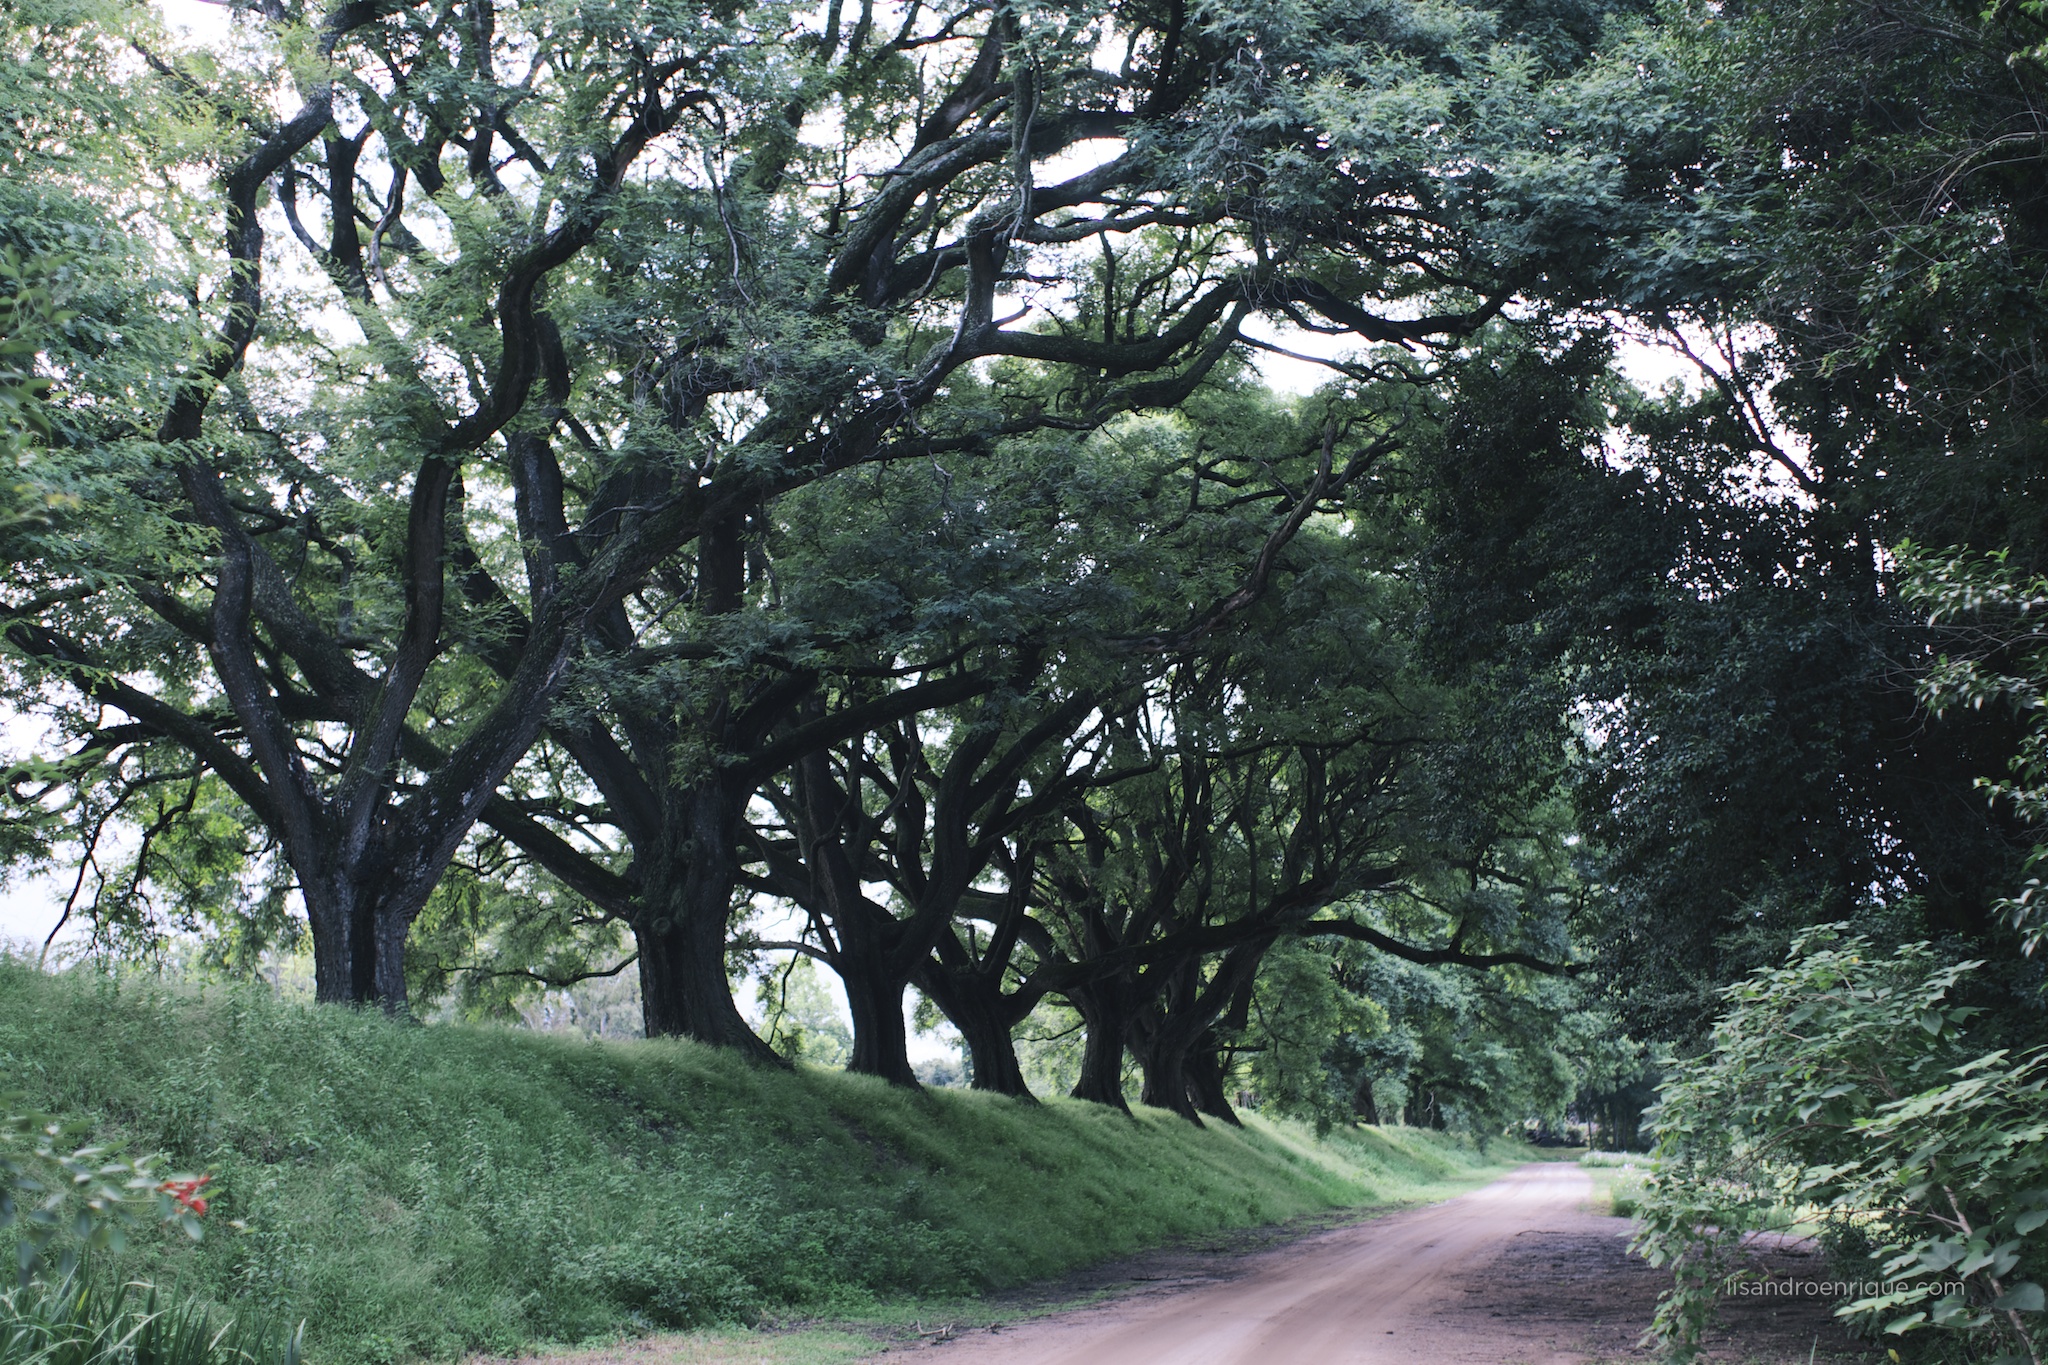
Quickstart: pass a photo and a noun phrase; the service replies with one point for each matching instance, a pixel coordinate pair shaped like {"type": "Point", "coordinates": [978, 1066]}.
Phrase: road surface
{"type": "Point", "coordinates": [1392, 1291]}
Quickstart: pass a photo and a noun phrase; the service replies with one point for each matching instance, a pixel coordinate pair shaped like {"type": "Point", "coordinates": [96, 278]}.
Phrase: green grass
{"type": "Point", "coordinates": [432, 1191]}
{"type": "Point", "coordinates": [83, 1318]}
{"type": "Point", "coordinates": [1617, 1180]}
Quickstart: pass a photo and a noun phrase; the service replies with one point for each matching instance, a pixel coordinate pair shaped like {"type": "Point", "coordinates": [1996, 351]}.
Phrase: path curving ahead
{"type": "Point", "coordinates": [1373, 1293]}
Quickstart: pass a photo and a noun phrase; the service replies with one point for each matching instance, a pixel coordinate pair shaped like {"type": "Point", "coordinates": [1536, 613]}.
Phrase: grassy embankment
{"type": "Point", "coordinates": [433, 1191]}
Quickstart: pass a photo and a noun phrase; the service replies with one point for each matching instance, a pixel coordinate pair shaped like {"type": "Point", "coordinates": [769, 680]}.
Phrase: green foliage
{"type": "Point", "coordinates": [432, 1191]}
{"type": "Point", "coordinates": [1845, 1087]}
{"type": "Point", "coordinates": [85, 1201]}
{"type": "Point", "coordinates": [494, 936]}
{"type": "Point", "coordinates": [1346, 1033]}
{"type": "Point", "coordinates": [83, 1318]}
{"type": "Point", "coordinates": [803, 1023]}
{"type": "Point", "coordinates": [1852, 269]}
{"type": "Point", "coordinates": [1993, 611]}
{"type": "Point", "coordinates": [29, 313]}
{"type": "Point", "coordinates": [81, 1198]}
{"type": "Point", "coordinates": [1301, 1014]}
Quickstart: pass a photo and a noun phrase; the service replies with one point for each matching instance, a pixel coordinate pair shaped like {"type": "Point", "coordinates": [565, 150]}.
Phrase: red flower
{"type": "Point", "coordinates": [186, 1192]}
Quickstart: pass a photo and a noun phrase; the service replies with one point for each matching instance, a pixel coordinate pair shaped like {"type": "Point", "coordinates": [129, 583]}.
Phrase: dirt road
{"type": "Point", "coordinates": [1518, 1272]}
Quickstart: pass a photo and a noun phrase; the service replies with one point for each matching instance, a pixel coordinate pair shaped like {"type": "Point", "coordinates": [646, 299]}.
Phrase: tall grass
{"type": "Point", "coordinates": [428, 1191]}
{"type": "Point", "coordinates": [87, 1318]}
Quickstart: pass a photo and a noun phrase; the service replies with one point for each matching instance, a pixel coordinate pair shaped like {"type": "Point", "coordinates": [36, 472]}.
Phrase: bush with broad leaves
{"type": "Point", "coordinates": [56, 1191]}
{"type": "Point", "coordinates": [1842, 1088]}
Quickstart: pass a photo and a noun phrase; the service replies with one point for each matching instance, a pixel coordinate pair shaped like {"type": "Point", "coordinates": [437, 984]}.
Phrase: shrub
{"type": "Point", "coordinates": [81, 1197]}
{"type": "Point", "coordinates": [1842, 1085]}
{"type": "Point", "coordinates": [58, 1195]}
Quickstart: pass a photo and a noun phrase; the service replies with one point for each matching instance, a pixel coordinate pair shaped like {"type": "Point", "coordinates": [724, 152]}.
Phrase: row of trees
{"type": "Point", "coordinates": [567, 473]}
{"type": "Point", "coordinates": [520, 486]}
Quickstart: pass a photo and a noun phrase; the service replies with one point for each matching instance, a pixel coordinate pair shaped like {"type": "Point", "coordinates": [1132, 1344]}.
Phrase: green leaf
{"type": "Point", "coordinates": [2024, 1298]}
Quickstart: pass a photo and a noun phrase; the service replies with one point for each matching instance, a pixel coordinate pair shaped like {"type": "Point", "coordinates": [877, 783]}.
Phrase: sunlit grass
{"type": "Point", "coordinates": [1617, 1181]}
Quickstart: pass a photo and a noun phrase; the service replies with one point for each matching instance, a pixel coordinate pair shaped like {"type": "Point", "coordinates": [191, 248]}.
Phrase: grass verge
{"type": "Point", "coordinates": [438, 1191]}
{"type": "Point", "coordinates": [1617, 1181]}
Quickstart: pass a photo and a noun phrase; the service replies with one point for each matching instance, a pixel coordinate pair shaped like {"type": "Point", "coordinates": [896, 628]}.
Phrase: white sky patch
{"type": "Point", "coordinates": [1298, 373]}
{"type": "Point", "coordinates": [30, 906]}
{"type": "Point", "coordinates": [1651, 368]}
{"type": "Point", "coordinates": [1076, 160]}
{"type": "Point", "coordinates": [196, 20]}
{"type": "Point", "coordinates": [1697, 358]}
{"type": "Point", "coordinates": [31, 903]}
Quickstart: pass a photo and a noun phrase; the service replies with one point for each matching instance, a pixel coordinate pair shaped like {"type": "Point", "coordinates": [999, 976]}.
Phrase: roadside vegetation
{"type": "Point", "coordinates": [437, 1191]}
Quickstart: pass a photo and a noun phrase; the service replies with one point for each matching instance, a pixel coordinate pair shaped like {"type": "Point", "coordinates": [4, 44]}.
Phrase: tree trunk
{"type": "Point", "coordinates": [874, 996]}
{"type": "Point", "coordinates": [683, 988]}
{"type": "Point", "coordinates": [1166, 1082]}
{"type": "Point", "coordinates": [360, 917]}
{"type": "Point", "coordinates": [1168, 1032]}
{"type": "Point", "coordinates": [1105, 1015]}
{"type": "Point", "coordinates": [1205, 1084]}
{"type": "Point", "coordinates": [992, 1053]}
{"type": "Point", "coordinates": [1365, 1105]}
{"type": "Point", "coordinates": [976, 1005]}
{"type": "Point", "coordinates": [681, 929]}
{"type": "Point", "coordinates": [391, 925]}
{"type": "Point", "coordinates": [1423, 1110]}
{"type": "Point", "coordinates": [345, 940]}
{"type": "Point", "coordinates": [1164, 1060]}
{"type": "Point", "coordinates": [868, 964]}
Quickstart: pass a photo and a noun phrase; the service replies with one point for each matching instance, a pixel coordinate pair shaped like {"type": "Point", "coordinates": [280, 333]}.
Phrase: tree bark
{"type": "Point", "coordinates": [1163, 1059]}
{"type": "Point", "coordinates": [359, 911]}
{"type": "Point", "coordinates": [881, 1040]}
{"type": "Point", "coordinates": [992, 1053]}
{"type": "Point", "coordinates": [1106, 1015]}
{"type": "Point", "coordinates": [344, 938]}
{"type": "Point", "coordinates": [1205, 1083]}
{"type": "Point", "coordinates": [1365, 1105]}
{"type": "Point", "coordinates": [681, 929]}
{"type": "Point", "coordinates": [973, 1001]}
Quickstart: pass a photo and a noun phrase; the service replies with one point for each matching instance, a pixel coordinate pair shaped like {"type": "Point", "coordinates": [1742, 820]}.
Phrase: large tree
{"type": "Point", "coordinates": [471, 346]}
{"type": "Point", "coordinates": [1854, 294]}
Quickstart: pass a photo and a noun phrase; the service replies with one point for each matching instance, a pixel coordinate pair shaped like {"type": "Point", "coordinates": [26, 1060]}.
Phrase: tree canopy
{"type": "Point", "coordinates": [518, 494]}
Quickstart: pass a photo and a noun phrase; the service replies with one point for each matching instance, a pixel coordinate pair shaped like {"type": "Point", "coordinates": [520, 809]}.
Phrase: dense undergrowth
{"type": "Point", "coordinates": [84, 1317]}
{"type": "Point", "coordinates": [425, 1191]}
